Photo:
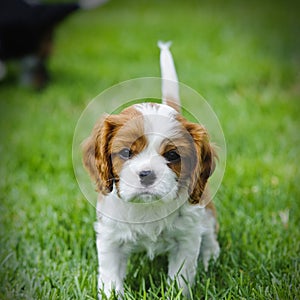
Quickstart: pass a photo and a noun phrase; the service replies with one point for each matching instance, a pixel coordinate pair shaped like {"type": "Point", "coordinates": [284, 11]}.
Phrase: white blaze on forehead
{"type": "Point", "coordinates": [156, 108]}
{"type": "Point", "coordinates": [159, 122]}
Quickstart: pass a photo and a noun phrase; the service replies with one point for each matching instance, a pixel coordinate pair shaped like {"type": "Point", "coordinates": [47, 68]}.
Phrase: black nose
{"type": "Point", "coordinates": [147, 177]}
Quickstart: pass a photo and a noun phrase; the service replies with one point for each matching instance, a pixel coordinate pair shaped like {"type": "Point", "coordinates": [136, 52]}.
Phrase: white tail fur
{"type": "Point", "coordinates": [170, 87]}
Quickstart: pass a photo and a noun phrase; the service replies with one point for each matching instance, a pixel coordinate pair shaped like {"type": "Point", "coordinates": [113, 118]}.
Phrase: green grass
{"type": "Point", "coordinates": [243, 57]}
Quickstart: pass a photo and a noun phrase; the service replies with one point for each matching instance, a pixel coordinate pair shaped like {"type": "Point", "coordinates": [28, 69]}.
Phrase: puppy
{"type": "Point", "coordinates": [150, 157]}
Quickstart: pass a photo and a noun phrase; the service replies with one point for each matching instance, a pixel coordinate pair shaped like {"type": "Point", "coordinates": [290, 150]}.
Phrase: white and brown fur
{"type": "Point", "coordinates": [150, 152]}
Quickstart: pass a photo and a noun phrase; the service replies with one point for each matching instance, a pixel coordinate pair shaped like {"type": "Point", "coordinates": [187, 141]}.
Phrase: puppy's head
{"type": "Point", "coordinates": [149, 152]}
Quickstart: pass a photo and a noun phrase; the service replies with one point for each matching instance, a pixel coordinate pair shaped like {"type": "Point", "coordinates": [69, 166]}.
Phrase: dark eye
{"type": "Point", "coordinates": [172, 156]}
{"type": "Point", "coordinates": [125, 153]}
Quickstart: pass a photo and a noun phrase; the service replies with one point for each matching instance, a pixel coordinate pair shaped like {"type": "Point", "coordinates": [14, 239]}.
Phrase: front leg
{"type": "Point", "coordinates": [183, 261]}
{"type": "Point", "coordinates": [210, 248]}
{"type": "Point", "coordinates": [112, 267]}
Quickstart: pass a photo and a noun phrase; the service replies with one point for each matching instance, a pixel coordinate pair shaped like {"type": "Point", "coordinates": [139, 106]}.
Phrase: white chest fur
{"type": "Point", "coordinates": [154, 237]}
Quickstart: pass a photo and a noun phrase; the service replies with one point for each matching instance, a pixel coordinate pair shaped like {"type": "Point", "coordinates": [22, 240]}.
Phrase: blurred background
{"type": "Point", "coordinates": [243, 58]}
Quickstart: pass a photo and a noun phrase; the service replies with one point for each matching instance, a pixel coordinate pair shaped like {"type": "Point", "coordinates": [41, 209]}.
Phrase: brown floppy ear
{"type": "Point", "coordinates": [97, 156]}
{"type": "Point", "coordinates": [204, 161]}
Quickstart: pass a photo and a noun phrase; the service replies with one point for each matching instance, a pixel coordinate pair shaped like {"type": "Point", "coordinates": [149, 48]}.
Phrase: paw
{"type": "Point", "coordinates": [110, 291]}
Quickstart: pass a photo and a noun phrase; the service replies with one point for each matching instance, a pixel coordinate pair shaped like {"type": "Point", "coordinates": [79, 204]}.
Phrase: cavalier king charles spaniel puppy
{"type": "Point", "coordinates": [149, 153]}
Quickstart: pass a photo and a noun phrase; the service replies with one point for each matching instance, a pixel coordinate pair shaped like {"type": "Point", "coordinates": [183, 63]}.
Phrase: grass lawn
{"type": "Point", "coordinates": [244, 58]}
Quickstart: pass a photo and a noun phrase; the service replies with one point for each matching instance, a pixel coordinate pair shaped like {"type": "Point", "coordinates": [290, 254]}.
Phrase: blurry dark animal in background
{"type": "Point", "coordinates": [26, 33]}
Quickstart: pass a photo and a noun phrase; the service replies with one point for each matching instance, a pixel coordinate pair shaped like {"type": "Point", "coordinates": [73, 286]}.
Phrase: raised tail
{"type": "Point", "coordinates": [170, 86]}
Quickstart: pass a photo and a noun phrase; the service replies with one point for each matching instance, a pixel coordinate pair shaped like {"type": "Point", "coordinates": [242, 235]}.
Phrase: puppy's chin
{"type": "Point", "coordinates": [145, 198]}
{"type": "Point", "coordinates": [148, 196]}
